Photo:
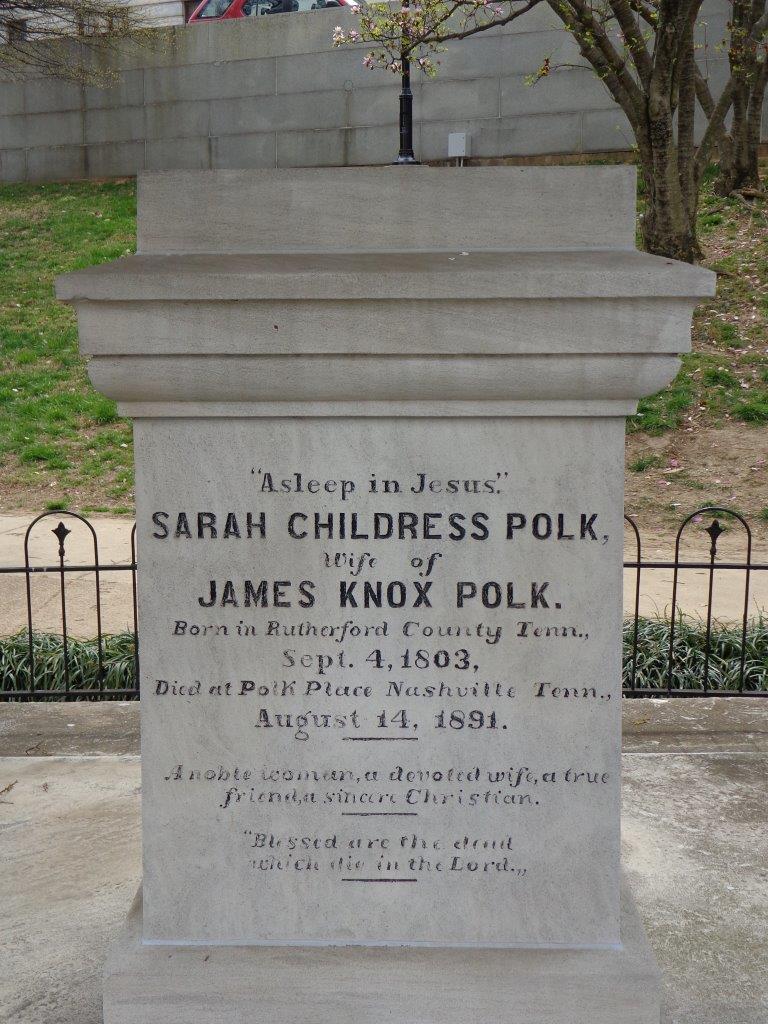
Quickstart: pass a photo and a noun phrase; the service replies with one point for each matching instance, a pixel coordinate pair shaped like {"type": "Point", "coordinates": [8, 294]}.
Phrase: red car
{"type": "Point", "coordinates": [219, 10]}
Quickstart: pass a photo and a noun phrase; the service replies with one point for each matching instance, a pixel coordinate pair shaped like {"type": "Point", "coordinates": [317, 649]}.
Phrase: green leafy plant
{"type": "Point", "coordinates": [653, 638]}
{"type": "Point", "coordinates": [118, 662]}
{"type": "Point", "coordinates": [689, 654]}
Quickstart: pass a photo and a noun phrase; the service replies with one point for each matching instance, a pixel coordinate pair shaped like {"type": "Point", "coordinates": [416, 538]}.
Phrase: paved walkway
{"type": "Point", "coordinates": [114, 547]}
{"type": "Point", "coordinates": [694, 841]}
{"type": "Point", "coordinates": [114, 544]}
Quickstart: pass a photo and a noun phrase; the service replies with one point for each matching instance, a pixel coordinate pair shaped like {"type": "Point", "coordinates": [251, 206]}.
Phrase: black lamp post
{"type": "Point", "coordinates": [405, 156]}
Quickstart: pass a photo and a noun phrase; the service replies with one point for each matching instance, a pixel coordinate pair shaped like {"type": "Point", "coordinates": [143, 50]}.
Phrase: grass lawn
{"type": "Point", "coordinates": [61, 445]}
{"type": "Point", "coordinates": [726, 376]}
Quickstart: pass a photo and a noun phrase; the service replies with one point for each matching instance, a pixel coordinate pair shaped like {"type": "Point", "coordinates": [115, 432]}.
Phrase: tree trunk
{"type": "Point", "coordinates": [739, 154]}
{"type": "Point", "coordinates": [669, 222]}
{"type": "Point", "coordinates": [672, 186]}
{"type": "Point", "coordinates": [739, 149]}
{"type": "Point", "coordinates": [666, 227]}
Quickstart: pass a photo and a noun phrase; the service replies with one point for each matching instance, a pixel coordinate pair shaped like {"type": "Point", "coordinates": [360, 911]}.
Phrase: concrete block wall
{"type": "Point", "coordinates": [272, 92]}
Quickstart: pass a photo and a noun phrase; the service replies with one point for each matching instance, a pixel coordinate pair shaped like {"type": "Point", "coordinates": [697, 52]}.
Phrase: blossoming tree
{"type": "Point", "coordinates": [644, 52]}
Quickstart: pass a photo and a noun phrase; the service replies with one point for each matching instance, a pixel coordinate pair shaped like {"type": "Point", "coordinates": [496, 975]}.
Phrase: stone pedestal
{"type": "Point", "coordinates": [146, 984]}
{"type": "Point", "coordinates": [379, 421]}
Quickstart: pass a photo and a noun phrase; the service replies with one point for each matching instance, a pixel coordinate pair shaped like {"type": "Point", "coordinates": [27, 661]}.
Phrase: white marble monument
{"type": "Point", "coordinates": [379, 422]}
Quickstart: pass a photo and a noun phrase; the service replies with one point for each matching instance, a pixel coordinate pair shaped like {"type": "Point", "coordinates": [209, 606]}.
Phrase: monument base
{"type": "Point", "coordinates": [374, 985]}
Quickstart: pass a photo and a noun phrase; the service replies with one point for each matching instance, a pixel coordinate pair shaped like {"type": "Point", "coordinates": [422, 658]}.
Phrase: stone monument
{"type": "Point", "coordinates": [379, 425]}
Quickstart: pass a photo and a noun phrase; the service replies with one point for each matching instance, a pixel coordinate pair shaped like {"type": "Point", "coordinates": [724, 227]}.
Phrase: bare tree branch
{"type": "Point", "coordinates": [598, 49]}
{"type": "Point", "coordinates": [644, 10]}
{"type": "Point", "coordinates": [637, 46]}
{"type": "Point", "coordinates": [484, 26]}
{"type": "Point", "coordinates": [703, 93]}
{"type": "Point", "coordinates": [68, 38]}
{"type": "Point", "coordinates": [714, 128]}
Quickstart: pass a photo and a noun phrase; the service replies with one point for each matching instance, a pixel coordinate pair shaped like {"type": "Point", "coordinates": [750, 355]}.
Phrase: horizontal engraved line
{"type": "Point", "coordinates": [379, 879]}
{"type": "Point", "coordinates": [379, 814]}
{"type": "Point", "coordinates": [378, 739]}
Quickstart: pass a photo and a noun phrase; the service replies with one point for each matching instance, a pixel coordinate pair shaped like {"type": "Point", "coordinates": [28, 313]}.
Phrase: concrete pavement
{"type": "Point", "coordinates": [114, 547]}
{"type": "Point", "coordinates": [694, 835]}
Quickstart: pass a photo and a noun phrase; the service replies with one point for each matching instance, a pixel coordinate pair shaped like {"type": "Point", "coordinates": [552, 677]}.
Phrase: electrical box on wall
{"type": "Point", "coordinates": [457, 145]}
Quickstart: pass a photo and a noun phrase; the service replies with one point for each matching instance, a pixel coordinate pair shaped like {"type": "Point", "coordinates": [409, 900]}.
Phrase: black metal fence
{"type": "Point", "coordinates": [670, 656]}
{"type": "Point", "coordinates": [34, 668]}
{"type": "Point", "coordinates": [719, 662]}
